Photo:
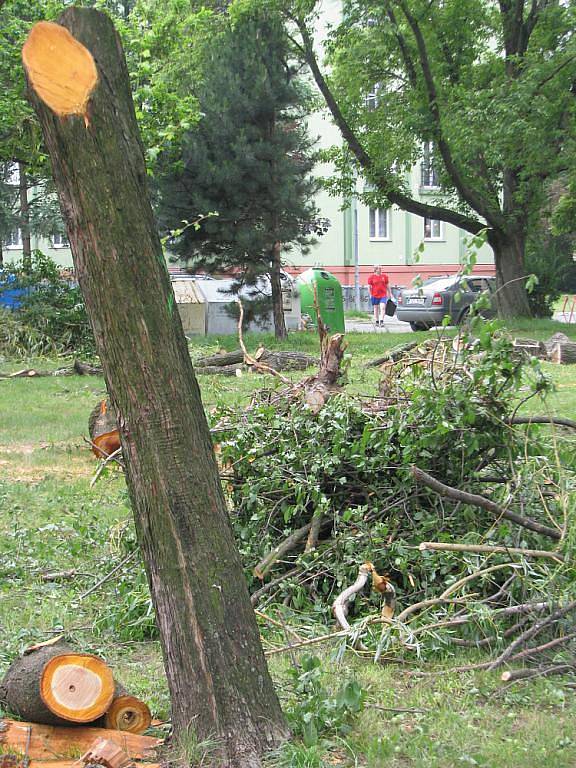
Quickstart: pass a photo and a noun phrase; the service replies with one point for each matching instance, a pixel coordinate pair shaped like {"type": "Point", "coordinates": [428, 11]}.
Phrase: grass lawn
{"type": "Point", "coordinates": [51, 519]}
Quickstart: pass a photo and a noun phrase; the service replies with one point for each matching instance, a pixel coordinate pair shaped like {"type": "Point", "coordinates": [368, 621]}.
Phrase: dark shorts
{"type": "Point", "coordinates": [376, 301]}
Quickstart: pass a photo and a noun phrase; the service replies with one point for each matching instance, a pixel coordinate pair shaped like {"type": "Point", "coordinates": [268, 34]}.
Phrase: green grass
{"type": "Point", "coordinates": [52, 520]}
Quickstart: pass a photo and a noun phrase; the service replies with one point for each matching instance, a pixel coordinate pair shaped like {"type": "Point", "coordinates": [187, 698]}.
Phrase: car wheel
{"type": "Point", "coordinates": [418, 326]}
{"type": "Point", "coordinates": [464, 315]}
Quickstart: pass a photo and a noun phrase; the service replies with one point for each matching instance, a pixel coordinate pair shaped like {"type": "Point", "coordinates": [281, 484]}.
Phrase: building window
{"type": "Point", "coordinates": [372, 98]}
{"type": "Point", "coordinates": [433, 229]}
{"type": "Point", "coordinates": [59, 240]}
{"type": "Point", "coordinates": [379, 223]}
{"type": "Point", "coordinates": [429, 174]}
{"type": "Point", "coordinates": [12, 174]}
{"type": "Point", "coordinates": [13, 239]}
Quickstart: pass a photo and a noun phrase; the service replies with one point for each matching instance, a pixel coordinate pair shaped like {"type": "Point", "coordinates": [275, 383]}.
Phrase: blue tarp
{"type": "Point", "coordinates": [11, 297]}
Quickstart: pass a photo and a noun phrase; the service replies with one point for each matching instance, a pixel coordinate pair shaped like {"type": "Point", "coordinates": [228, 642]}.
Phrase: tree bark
{"type": "Point", "coordinates": [277, 301]}
{"type": "Point", "coordinates": [219, 683]}
{"type": "Point", "coordinates": [24, 215]}
{"type": "Point", "coordinates": [511, 297]}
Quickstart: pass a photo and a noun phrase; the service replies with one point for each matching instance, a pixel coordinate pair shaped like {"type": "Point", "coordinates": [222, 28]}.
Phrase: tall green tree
{"type": "Point", "coordinates": [248, 161]}
{"type": "Point", "coordinates": [489, 85]}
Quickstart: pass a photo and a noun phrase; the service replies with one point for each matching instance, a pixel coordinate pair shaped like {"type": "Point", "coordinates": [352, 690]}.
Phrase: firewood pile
{"type": "Point", "coordinates": [54, 684]}
{"type": "Point", "coordinates": [69, 702]}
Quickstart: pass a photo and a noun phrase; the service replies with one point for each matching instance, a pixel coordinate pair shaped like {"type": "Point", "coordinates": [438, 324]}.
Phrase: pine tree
{"type": "Point", "coordinates": [244, 175]}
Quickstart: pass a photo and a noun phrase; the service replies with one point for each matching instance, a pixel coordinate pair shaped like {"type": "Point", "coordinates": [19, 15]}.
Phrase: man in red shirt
{"type": "Point", "coordinates": [378, 285]}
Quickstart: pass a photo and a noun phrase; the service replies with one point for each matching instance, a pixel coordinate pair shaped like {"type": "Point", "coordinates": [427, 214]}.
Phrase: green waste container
{"type": "Point", "coordinates": [330, 302]}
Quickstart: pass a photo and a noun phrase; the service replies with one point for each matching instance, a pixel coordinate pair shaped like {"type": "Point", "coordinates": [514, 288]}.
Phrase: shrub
{"type": "Point", "coordinates": [52, 316]}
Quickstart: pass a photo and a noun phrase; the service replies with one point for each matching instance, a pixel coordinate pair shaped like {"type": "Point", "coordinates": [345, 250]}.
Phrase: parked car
{"type": "Point", "coordinates": [438, 297]}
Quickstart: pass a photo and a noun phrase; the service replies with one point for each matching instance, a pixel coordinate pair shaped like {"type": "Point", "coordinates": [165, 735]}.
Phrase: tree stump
{"type": "Point", "coordinates": [55, 685]}
{"type": "Point", "coordinates": [103, 429]}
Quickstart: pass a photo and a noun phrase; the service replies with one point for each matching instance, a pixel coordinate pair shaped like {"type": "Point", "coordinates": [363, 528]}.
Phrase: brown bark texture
{"type": "Point", "coordinates": [219, 683]}
{"type": "Point", "coordinates": [511, 298]}
{"type": "Point", "coordinates": [280, 331]}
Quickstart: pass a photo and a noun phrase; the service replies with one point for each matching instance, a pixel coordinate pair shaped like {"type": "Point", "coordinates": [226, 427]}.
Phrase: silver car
{"type": "Point", "coordinates": [438, 297]}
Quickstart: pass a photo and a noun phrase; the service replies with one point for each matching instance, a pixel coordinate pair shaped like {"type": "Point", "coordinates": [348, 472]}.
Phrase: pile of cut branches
{"type": "Point", "coordinates": [433, 481]}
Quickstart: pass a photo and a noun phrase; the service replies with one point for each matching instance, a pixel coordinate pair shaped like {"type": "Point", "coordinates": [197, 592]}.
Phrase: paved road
{"type": "Point", "coordinates": [392, 325]}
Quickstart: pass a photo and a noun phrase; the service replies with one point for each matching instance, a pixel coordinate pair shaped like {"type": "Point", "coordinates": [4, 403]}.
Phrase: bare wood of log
{"type": "Point", "coordinates": [489, 550]}
{"type": "Point", "coordinates": [476, 500]}
{"type": "Point", "coordinates": [127, 713]}
{"type": "Point", "coordinates": [107, 753]}
{"type": "Point", "coordinates": [48, 741]}
{"type": "Point", "coordinates": [314, 532]}
{"type": "Point", "coordinates": [340, 606]}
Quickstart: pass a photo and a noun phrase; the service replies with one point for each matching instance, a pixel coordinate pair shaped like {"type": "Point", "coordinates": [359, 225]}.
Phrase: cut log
{"type": "Point", "coordinates": [55, 685]}
{"type": "Point", "coordinates": [83, 369]}
{"type": "Point", "coordinates": [126, 713]}
{"type": "Point", "coordinates": [222, 358]}
{"type": "Point", "coordinates": [219, 370]}
{"type": "Point", "coordinates": [285, 361]}
{"type": "Point", "coordinates": [48, 742]}
{"type": "Point", "coordinates": [563, 353]}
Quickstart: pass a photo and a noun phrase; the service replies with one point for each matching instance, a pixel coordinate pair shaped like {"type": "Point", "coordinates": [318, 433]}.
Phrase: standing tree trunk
{"type": "Point", "coordinates": [24, 215]}
{"type": "Point", "coordinates": [512, 297]}
{"type": "Point", "coordinates": [219, 683]}
{"type": "Point", "coordinates": [277, 298]}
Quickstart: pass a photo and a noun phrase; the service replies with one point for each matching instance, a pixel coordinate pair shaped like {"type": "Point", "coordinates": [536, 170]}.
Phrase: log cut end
{"type": "Point", "coordinates": [60, 70]}
{"type": "Point", "coordinates": [127, 713]}
{"type": "Point", "coordinates": [78, 688]}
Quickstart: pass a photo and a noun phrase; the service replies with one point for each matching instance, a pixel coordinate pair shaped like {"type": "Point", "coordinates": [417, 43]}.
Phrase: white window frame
{"type": "Point", "coordinates": [13, 174]}
{"type": "Point", "coordinates": [376, 213]}
{"type": "Point", "coordinates": [440, 237]}
{"type": "Point", "coordinates": [371, 100]}
{"type": "Point", "coordinates": [427, 167]}
{"type": "Point", "coordinates": [11, 246]}
{"type": "Point", "coordinates": [63, 238]}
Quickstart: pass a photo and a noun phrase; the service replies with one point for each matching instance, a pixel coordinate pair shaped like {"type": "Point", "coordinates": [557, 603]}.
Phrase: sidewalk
{"type": "Point", "coordinates": [393, 325]}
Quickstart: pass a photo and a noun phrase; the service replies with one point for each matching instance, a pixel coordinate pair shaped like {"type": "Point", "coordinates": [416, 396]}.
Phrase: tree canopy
{"type": "Point", "coordinates": [244, 174]}
{"type": "Point", "coordinates": [489, 86]}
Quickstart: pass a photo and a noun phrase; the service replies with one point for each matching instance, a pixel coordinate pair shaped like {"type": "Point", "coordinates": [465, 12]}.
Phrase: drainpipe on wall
{"type": "Point", "coordinates": [356, 260]}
